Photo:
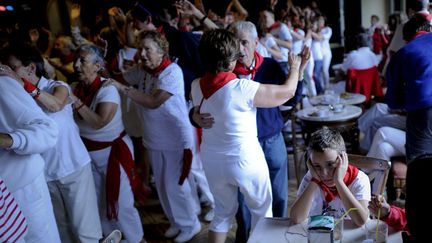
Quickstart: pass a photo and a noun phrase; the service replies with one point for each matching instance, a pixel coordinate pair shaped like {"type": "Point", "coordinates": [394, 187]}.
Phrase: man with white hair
{"type": "Point", "coordinates": [253, 66]}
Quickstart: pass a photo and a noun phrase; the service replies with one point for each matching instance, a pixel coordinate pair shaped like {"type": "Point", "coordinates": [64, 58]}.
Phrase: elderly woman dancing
{"type": "Point", "coordinates": [100, 121]}
{"type": "Point", "coordinates": [167, 132]}
{"type": "Point", "coordinates": [232, 156]}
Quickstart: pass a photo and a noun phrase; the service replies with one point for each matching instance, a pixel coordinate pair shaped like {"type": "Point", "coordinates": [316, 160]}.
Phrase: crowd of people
{"type": "Point", "coordinates": [195, 97]}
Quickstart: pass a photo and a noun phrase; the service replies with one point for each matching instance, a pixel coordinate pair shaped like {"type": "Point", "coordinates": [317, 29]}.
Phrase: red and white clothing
{"type": "Point", "coordinates": [128, 220]}
{"type": "Point", "coordinates": [70, 181]}
{"type": "Point", "coordinates": [32, 133]}
{"type": "Point", "coordinates": [232, 157]}
{"type": "Point", "coordinates": [13, 225]}
{"type": "Point", "coordinates": [166, 133]}
{"type": "Point", "coordinates": [360, 188]}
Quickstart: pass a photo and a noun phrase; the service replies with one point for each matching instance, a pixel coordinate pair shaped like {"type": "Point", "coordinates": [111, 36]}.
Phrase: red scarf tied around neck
{"type": "Point", "coordinates": [212, 82]}
{"type": "Point", "coordinates": [275, 25]}
{"type": "Point", "coordinates": [87, 93]}
{"type": "Point", "coordinates": [165, 62]}
{"type": "Point", "coordinates": [331, 193]}
{"type": "Point", "coordinates": [241, 69]}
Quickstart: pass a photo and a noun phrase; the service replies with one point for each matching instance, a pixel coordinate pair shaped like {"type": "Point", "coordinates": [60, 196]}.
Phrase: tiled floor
{"type": "Point", "coordinates": [155, 223]}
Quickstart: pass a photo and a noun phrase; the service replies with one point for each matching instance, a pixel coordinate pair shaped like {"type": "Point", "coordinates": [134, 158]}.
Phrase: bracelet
{"type": "Point", "coordinates": [35, 93]}
{"type": "Point", "coordinates": [203, 19]}
{"type": "Point", "coordinates": [80, 106]}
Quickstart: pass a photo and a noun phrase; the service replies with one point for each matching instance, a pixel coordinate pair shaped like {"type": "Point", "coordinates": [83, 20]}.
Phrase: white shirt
{"type": "Point", "coordinates": [234, 113]}
{"type": "Point", "coordinates": [166, 127]}
{"type": "Point", "coordinates": [297, 44]}
{"type": "Point", "coordinates": [69, 154]}
{"type": "Point", "coordinates": [360, 188]}
{"type": "Point", "coordinates": [283, 33]}
{"type": "Point", "coordinates": [326, 33]}
{"type": "Point", "coordinates": [316, 49]}
{"type": "Point", "coordinates": [362, 58]}
{"type": "Point", "coordinates": [111, 130]}
{"type": "Point", "coordinates": [32, 133]}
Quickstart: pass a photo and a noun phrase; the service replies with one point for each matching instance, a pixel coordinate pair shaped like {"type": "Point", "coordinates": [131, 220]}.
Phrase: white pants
{"type": "Point", "coordinates": [325, 69]}
{"type": "Point", "coordinates": [75, 207]}
{"type": "Point", "coordinates": [247, 172]}
{"type": "Point", "coordinates": [378, 116]}
{"type": "Point", "coordinates": [35, 203]}
{"type": "Point", "coordinates": [129, 221]}
{"type": "Point", "coordinates": [176, 200]}
{"type": "Point", "coordinates": [388, 142]}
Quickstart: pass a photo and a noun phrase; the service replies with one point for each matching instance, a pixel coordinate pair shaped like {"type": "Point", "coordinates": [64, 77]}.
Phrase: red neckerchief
{"type": "Point", "coordinates": [331, 193]}
{"type": "Point", "coordinates": [160, 29]}
{"type": "Point", "coordinates": [212, 82]}
{"type": "Point", "coordinates": [275, 25]}
{"type": "Point", "coordinates": [241, 69]}
{"type": "Point", "coordinates": [87, 93]}
{"type": "Point", "coordinates": [417, 34]}
{"type": "Point", "coordinates": [165, 62]}
{"type": "Point", "coordinates": [120, 155]}
{"type": "Point", "coordinates": [67, 59]}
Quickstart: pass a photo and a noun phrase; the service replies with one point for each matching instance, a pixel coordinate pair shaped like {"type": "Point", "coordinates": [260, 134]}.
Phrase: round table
{"type": "Point", "coordinates": [345, 122]}
{"type": "Point", "coordinates": [344, 98]}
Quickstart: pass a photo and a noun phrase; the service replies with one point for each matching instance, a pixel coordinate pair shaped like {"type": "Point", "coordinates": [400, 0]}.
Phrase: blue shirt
{"type": "Point", "coordinates": [409, 76]}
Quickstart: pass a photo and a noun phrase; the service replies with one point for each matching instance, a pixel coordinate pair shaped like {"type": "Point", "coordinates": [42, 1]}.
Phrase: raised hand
{"type": "Point", "coordinates": [75, 11]}
{"type": "Point", "coordinates": [186, 7]}
{"type": "Point", "coordinates": [294, 61]}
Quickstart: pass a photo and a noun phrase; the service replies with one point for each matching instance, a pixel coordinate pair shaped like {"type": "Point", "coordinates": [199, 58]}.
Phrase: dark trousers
{"type": "Point", "coordinates": [418, 207]}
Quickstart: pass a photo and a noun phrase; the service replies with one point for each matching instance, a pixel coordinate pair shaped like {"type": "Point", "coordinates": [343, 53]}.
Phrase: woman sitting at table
{"type": "Point", "coordinates": [331, 183]}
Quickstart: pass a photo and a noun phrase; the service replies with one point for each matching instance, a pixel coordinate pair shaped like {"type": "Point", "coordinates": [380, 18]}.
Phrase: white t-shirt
{"type": "Point", "coordinates": [166, 127]}
{"type": "Point", "coordinates": [326, 32]}
{"type": "Point", "coordinates": [297, 44]}
{"type": "Point", "coordinates": [260, 48]}
{"type": "Point", "coordinates": [69, 154]}
{"type": "Point", "coordinates": [283, 33]}
{"type": "Point", "coordinates": [113, 129]}
{"type": "Point", "coordinates": [362, 58]}
{"type": "Point", "coordinates": [234, 114]}
{"type": "Point", "coordinates": [360, 188]}
{"type": "Point", "coordinates": [316, 49]}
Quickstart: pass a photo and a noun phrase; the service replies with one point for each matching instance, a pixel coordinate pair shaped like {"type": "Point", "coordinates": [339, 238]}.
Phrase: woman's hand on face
{"type": "Point", "coordinates": [341, 167]}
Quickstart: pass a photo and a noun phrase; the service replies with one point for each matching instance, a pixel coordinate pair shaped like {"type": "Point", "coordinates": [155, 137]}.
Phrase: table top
{"type": "Point", "coordinates": [277, 230]}
{"type": "Point", "coordinates": [345, 98]}
{"type": "Point", "coordinates": [325, 114]}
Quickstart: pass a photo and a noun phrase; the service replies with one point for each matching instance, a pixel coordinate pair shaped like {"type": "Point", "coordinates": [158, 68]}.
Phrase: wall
{"type": "Point", "coordinates": [377, 7]}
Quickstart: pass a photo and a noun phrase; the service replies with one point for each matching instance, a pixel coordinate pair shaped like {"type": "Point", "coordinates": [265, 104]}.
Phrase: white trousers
{"type": "Point", "coordinates": [388, 142]}
{"type": "Point", "coordinates": [35, 202]}
{"type": "Point", "coordinates": [325, 69]}
{"type": "Point", "coordinates": [247, 172]}
{"type": "Point", "coordinates": [129, 221]}
{"type": "Point", "coordinates": [176, 200]}
{"type": "Point", "coordinates": [75, 207]}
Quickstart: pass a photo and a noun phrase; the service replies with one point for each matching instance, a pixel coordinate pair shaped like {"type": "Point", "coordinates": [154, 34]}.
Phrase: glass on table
{"type": "Point", "coordinates": [376, 231]}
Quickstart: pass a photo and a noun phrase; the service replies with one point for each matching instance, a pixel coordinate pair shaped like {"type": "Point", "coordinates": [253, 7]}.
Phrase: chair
{"type": "Point", "coordinates": [376, 169]}
{"type": "Point", "coordinates": [366, 82]}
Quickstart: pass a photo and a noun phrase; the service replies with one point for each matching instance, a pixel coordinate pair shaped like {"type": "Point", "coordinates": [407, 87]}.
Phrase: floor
{"type": "Point", "coordinates": [155, 223]}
